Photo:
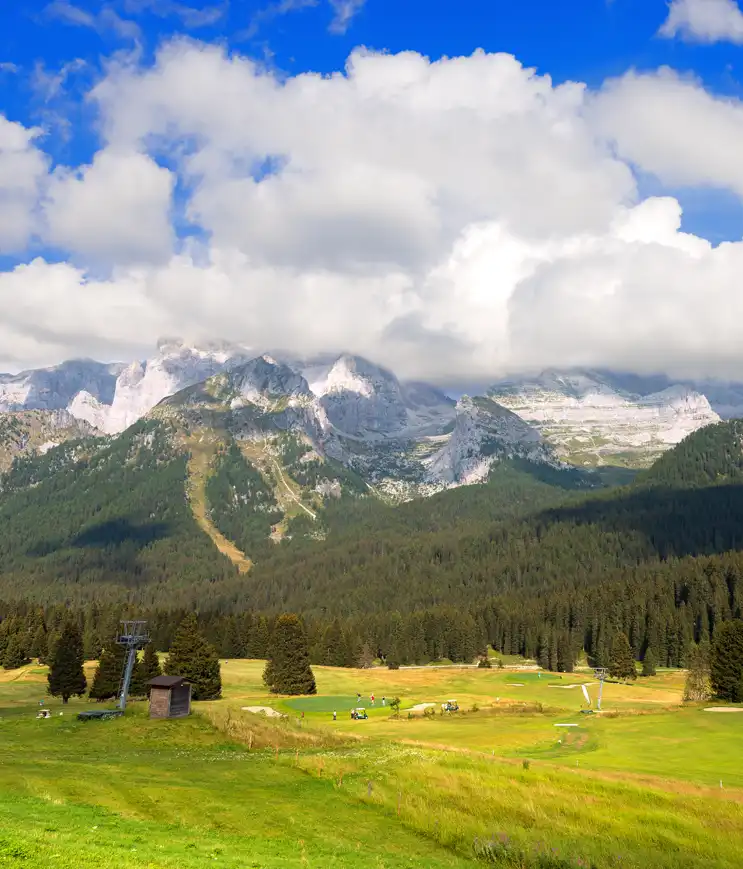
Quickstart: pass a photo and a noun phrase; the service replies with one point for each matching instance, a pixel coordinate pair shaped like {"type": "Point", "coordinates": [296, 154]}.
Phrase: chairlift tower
{"type": "Point", "coordinates": [133, 636]}
{"type": "Point", "coordinates": [600, 673]}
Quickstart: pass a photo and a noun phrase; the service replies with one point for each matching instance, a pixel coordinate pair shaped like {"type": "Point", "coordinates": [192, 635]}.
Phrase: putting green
{"type": "Point", "coordinates": [531, 678]}
{"type": "Point", "coordinates": [341, 705]}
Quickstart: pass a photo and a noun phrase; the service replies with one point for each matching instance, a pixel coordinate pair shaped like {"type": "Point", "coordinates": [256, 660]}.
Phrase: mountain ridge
{"type": "Point", "coordinates": [590, 418]}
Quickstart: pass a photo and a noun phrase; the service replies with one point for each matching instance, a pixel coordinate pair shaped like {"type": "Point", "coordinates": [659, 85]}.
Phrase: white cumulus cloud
{"type": "Point", "coordinates": [23, 168]}
{"type": "Point", "coordinates": [704, 21]}
{"type": "Point", "coordinates": [670, 126]}
{"type": "Point", "coordinates": [115, 211]}
{"type": "Point", "coordinates": [454, 219]}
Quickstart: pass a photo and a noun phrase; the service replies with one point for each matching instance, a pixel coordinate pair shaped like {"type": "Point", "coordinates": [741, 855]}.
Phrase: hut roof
{"type": "Point", "coordinates": [167, 681]}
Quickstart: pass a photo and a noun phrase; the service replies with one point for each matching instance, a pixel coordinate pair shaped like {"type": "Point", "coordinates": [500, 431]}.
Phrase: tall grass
{"type": "Point", "coordinates": [257, 731]}
{"type": "Point", "coordinates": [548, 818]}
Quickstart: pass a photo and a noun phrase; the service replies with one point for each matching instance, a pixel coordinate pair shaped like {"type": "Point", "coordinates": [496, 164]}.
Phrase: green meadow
{"type": "Point", "coordinates": [645, 783]}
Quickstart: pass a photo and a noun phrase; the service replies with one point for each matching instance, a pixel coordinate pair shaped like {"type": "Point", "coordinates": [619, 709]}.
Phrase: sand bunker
{"type": "Point", "coordinates": [724, 709]}
{"type": "Point", "coordinates": [515, 685]}
{"type": "Point", "coordinates": [262, 710]}
{"type": "Point", "coordinates": [421, 706]}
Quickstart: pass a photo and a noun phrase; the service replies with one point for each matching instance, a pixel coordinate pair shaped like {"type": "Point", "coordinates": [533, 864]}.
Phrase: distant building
{"type": "Point", "coordinates": [170, 697]}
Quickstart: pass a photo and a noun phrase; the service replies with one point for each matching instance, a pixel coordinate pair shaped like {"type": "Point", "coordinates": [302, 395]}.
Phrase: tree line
{"type": "Point", "coordinates": [713, 669]}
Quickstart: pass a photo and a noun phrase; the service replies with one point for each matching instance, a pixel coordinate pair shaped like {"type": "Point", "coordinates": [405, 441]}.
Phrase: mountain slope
{"type": "Point", "coordinates": [105, 520]}
{"type": "Point", "coordinates": [24, 433]}
{"type": "Point", "coordinates": [711, 456]}
{"type": "Point", "coordinates": [56, 387]}
{"type": "Point", "coordinates": [594, 418]}
{"type": "Point", "coordinates": [612, 536]}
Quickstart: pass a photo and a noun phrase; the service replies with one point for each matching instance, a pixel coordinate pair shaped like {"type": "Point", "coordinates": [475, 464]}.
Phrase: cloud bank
{"type": "Point", "coordinates": [457, 219]}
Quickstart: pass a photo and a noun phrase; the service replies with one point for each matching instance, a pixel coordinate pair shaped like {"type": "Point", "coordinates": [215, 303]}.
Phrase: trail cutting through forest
{"type": "Point", "coordinates": [202, 452]}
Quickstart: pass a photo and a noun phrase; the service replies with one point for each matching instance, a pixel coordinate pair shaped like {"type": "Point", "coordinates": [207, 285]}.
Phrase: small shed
{"type": "Point", "coordinates": [170, 697]}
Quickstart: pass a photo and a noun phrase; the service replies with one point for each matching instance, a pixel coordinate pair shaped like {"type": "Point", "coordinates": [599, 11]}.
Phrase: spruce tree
{"type": "Point", "coordinates": [365, 659]}
{"type": "Point", "coordinates": [8, 629]}
{"type": "Point", "coordinates": [543, 655]}
{"type": "Point", "coordinates": [565, 660]}
{"type": "Point", "coordinates": [726, 665]}
{"type": "Point", "coordinates": [108, 673]}
{"type": "Point", "coordinates": [52, 638]}
{"type": "Point", "coordinates": [38, 643]}
{"type": "Point", "coordinates": [697, 686]}
{"type": "Point", "coordinates": [233, 643]}
{"type": "Point", "coordinates": [192, 657]}
{"type": "Point", "coordinates": [333, 646]}
{"type": "Point", "coordinates": [145, 670]}
{"type": "Point", "coordinates": [15, 654]}
{"type": "Point", "coordinates": [648, 663]}
{"type": "Point", "coordinates": [288, 670]}
{"type": "Point", "coordinates": [66, 677]}
{"type": "Point", "coordinates": [621, 661]}
{"type": "Point", "coordinates": [553, 652]}
{"type": "Point", "coordinates": [259, 638]}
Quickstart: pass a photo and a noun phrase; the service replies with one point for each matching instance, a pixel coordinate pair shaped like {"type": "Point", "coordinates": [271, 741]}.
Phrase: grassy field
{"type": "Point", "coordinates": [496, 784]}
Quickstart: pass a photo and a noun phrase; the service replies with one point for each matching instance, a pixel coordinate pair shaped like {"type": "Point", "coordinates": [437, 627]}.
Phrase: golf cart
{"type": "Point", "coordinates": [43, 713]}
{"type": "Point", "coordinates": [450, 706]}
{"type": "Point", "coordinates": [359, 714]}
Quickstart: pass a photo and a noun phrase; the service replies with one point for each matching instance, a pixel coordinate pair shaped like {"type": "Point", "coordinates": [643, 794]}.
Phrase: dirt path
{"type": "Point", "coordinates": [202, 453]}
{"type": "Point", "coordinates": [289, 489]}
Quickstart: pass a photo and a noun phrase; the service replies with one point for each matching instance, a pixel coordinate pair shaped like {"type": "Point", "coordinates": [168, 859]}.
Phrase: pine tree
{"type": "Point", "coordinates": [193, 658]}
{"type": "Point", "coordinates": [543, 655]}
{"type": "Point", "coordinates": [259, 638]}
{"type": "Point", "coordinates": [553, 652]}
{"type": "Point", "coordinates": [648, 663]}
{"type": "Point", "coordinates": [15, 654]}
{"type": "Point", "coordinates": [726, 665]}
{"type": "Point", "coordinates": [145, 670]}
{"type": "Point", "coordinates": [622, 661]}
{"type": "Point", "coordinates": [8, 629]}
{"type": "Point", "coordinates": [333, 651]}
{"type": "Point", "coordinates": [565, 661]}
{"type": "Point", "coordinates": [366, 657]}
{"type": "Point", "coordinates": [233, 643]}
{"type": "Point", "coordinates": [288, 670]}
{"type": "Point", "coordinates": [38, 643]}
{"type": "Point", "coordinates": [698, 686]}
{"type": "Point", "coordinates": [52, 638]}
{"type": "Point", "coordinates": [66, 677]}
{"type": "Point", "coordinates": [108, 673]}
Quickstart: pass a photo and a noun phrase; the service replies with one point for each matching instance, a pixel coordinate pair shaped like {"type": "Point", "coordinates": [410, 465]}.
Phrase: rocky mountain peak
{"type": "Point", "coordinates": [264, 377]}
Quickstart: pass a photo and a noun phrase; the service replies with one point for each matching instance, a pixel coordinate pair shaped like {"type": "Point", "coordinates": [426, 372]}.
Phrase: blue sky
{"type": "Point", "coordinates": [168, 166]}
{"type": "Point", "coordinates": [594, 40]}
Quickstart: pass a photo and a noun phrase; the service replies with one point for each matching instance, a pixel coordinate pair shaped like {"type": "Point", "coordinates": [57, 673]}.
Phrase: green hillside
{"type": "Point", "coordinates": [103, 519]}
{"type": "Point", "coordinates": [173, 513]}
{"type": "Point", "coordinates": [168, 517]}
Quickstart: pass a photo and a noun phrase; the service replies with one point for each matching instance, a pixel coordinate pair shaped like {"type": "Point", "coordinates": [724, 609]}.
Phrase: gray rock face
{"type": "Point", "coordinates": [267, 378]}
{"type": "Point", "coordinates": [592, 418]}
{"type": "Point", "coordinates": [484, 432]}
{"type": "Point", "coordinates": [364, 400]}
{"type": "Point", "coordinates": [26, 432]}
{"type": "Point", "coordinates": [54, 388]}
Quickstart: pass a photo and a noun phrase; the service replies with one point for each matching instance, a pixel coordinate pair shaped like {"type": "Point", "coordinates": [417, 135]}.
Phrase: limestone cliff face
{"type": "Point", "coordinates": [595, 419]}
{"type": "Point", "coordinates": [484, 433]}
{"type": "Point", "coordinates": [30, 432]}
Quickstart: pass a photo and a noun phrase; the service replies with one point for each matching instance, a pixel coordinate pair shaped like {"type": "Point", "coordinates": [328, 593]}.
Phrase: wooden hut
{"type": "Point", "coordinates": [170, 697]}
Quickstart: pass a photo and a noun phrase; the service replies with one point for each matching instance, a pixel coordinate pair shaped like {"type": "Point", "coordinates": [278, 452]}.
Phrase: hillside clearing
{"type": "Point", "coordinates": [203, 448]}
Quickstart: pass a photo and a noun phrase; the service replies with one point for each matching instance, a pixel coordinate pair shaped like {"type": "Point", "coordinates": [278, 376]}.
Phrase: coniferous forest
{"type": "Point", "coordinates": [532, 562]}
